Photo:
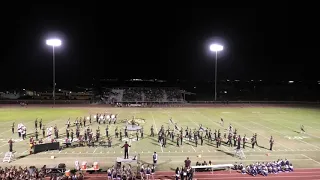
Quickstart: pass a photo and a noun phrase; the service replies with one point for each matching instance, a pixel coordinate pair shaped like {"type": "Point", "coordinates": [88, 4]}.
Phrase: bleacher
{"type": "Point", "coordinates": [142, 95]}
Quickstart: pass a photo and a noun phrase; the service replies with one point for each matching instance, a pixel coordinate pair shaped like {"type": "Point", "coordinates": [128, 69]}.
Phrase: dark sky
{"type": "Point", "coordinates": [156, 42]}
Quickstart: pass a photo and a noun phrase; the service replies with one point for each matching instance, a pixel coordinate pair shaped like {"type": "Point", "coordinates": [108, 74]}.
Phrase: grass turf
{"type": "Point", "coordinates": [283, 123]}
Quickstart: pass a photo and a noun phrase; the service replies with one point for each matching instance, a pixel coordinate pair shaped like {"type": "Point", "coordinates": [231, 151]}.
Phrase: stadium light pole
{"type": "Point", "coordinates": [53, 43]}
{"type": "Point", "coordinates": [216, 48]}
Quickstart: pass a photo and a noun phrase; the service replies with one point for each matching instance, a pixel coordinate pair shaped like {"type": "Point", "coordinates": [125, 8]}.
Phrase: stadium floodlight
{"type": "Point", "coordinates": [216, 48]}
{"type": "Point", "coordinates": [54, 43]}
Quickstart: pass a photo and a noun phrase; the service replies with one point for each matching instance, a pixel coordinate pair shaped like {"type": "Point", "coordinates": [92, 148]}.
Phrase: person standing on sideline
{"type": "Point", "coordinates": [10, 145]}
{"type": "Point", "coordinates": [155, 158]}
{"type": "Point", "coordinates": [126, 150]}
{"type": "Point", "coordinates": [271, 143]}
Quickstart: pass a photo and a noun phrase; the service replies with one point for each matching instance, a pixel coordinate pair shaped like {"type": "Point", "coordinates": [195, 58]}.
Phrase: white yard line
{"type": "Point", "coordinates": [194, 149]}
{"type": "Point", "coordinates": [94, 150]}
{"type": "Point", "coordinates": [283, 134]}
{"type": "Point", "coordinates": [155, 126]}
{"type": "Point", "coordinates": [311, 159]}
{"type": "Point", "coordinates": [178, 155]}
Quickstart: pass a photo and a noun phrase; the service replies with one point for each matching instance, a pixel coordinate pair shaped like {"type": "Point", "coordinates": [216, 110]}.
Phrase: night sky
{"type": "Point", "coordinates": [100, 42]}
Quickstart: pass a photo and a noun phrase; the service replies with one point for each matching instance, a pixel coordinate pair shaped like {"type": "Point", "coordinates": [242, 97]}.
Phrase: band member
{"type": "Point", "coordinates": [36, 123]}
{"type": "Point", "coordinates": [302, 129]}
{"type": "Point", "coordinates": [126, 150]}
{"type": "Point", "coordinates": [219, 141]}
{"type": "Point", "coordinates": [155, 158]}
{"type": "Point", "coordinates": [37, 135]}
{"type": "Point", "coordinates": [68, 123]}
{"type": "Point", "coordinates": [239, 142]}
{"type": "Point", "coordinates": [255, 138]}
{"type": "Point", "coordinates": [12, 128]}
{"type": "Point", "coordinates": [84, 121]}
{"type": "Point", "coordinates": [107, 131]}
{"type": "Point", "coordinates": [40, 124]}
{"type": "Point", "coordinates": [244, 140]}
{"type": "Point", "coordinates": [43, 132]}
{"type": "Point", "coordinates": [221, 122]}
{"type": "Point", "coordinates": [141, 131]}
{"type": "Point", "coordinates": [116, 132]}
{"type": "Point", "coordinates": [10, 145]}
{"type": "Point", "coordinates": [71, 134]}
{"type": "Point", "coordinates": [137, 134]}
{"type": "Point", "coordinates": [152, 131]}
{"type": "Point", "coordinates": [253, 142]}
{"type": "Point", "coordinates": [234, 140]}
{"type": "Point", "coordinates": [126, 132]}
{"type": "Point", "coordinates": [271, 143]}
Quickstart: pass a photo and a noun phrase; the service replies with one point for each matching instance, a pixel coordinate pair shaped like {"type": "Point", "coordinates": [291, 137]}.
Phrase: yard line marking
{"type": "Point", "coordinates": [24, 152]}
{"type": "Point", "coordinates": [194, 149]}
{"type": "Point", "coordinates": [208, 150]}
{"type": "Point", "coordinates": [311, 159]}
{"type": "Point", "coordinates": [66, 152]}
{"type": "Point", "coordinates": [155, 126]}
{"type": "Point", "coordinates": [282, 133]}
{"type": "Point", "coordinates": [101, 152]}
{"type": "Point", "coordinates": [178, 155]}
{"type": "Point", "coordinates": [72, 151]}
{"type": "Point", "coordinates": [95, 150]}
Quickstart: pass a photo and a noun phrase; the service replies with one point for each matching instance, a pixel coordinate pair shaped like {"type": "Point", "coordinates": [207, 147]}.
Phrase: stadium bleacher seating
{"type": "Point", "coordinates": [142, 95]}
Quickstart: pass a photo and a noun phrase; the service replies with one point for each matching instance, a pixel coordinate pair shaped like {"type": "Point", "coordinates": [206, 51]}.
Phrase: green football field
{"type": "Point", "coordinates": [283, 123]}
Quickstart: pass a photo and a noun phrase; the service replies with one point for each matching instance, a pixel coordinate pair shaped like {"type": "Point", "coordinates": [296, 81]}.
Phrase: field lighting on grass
{"type": "Point", "coordinates": [54, 43]}
{"type": "Point", "coordinates": [215, 48]}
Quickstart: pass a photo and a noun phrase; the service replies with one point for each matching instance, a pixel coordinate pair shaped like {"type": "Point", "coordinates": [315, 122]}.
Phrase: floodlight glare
{"type": "Point", "coordinates": [216, 47]}
{"type": "Point", "coordinates": [53, 42]}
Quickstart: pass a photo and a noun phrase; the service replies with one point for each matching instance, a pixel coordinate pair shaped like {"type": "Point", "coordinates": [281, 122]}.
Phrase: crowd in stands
{"type": "Point", "coordinates": [173, 95]}
{"type": "Point", "coordinates": [26, 173]}
{"type": "Point", "coordinates": [76, 176]}
{"type": "Point", "coordinates": [123, 172]}
{"type": "Point", "coordinates": [151, 95]}
{"type": "Point", "coordinates": [154, 94]}
{"type": "Point", "coordinates": [265, 168]}
{"type": "Point", "coordinates": [132, 94]}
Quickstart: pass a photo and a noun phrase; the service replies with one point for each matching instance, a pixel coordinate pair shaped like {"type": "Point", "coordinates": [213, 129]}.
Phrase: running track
{"type": "Point", "coordinates": [298, 174]}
